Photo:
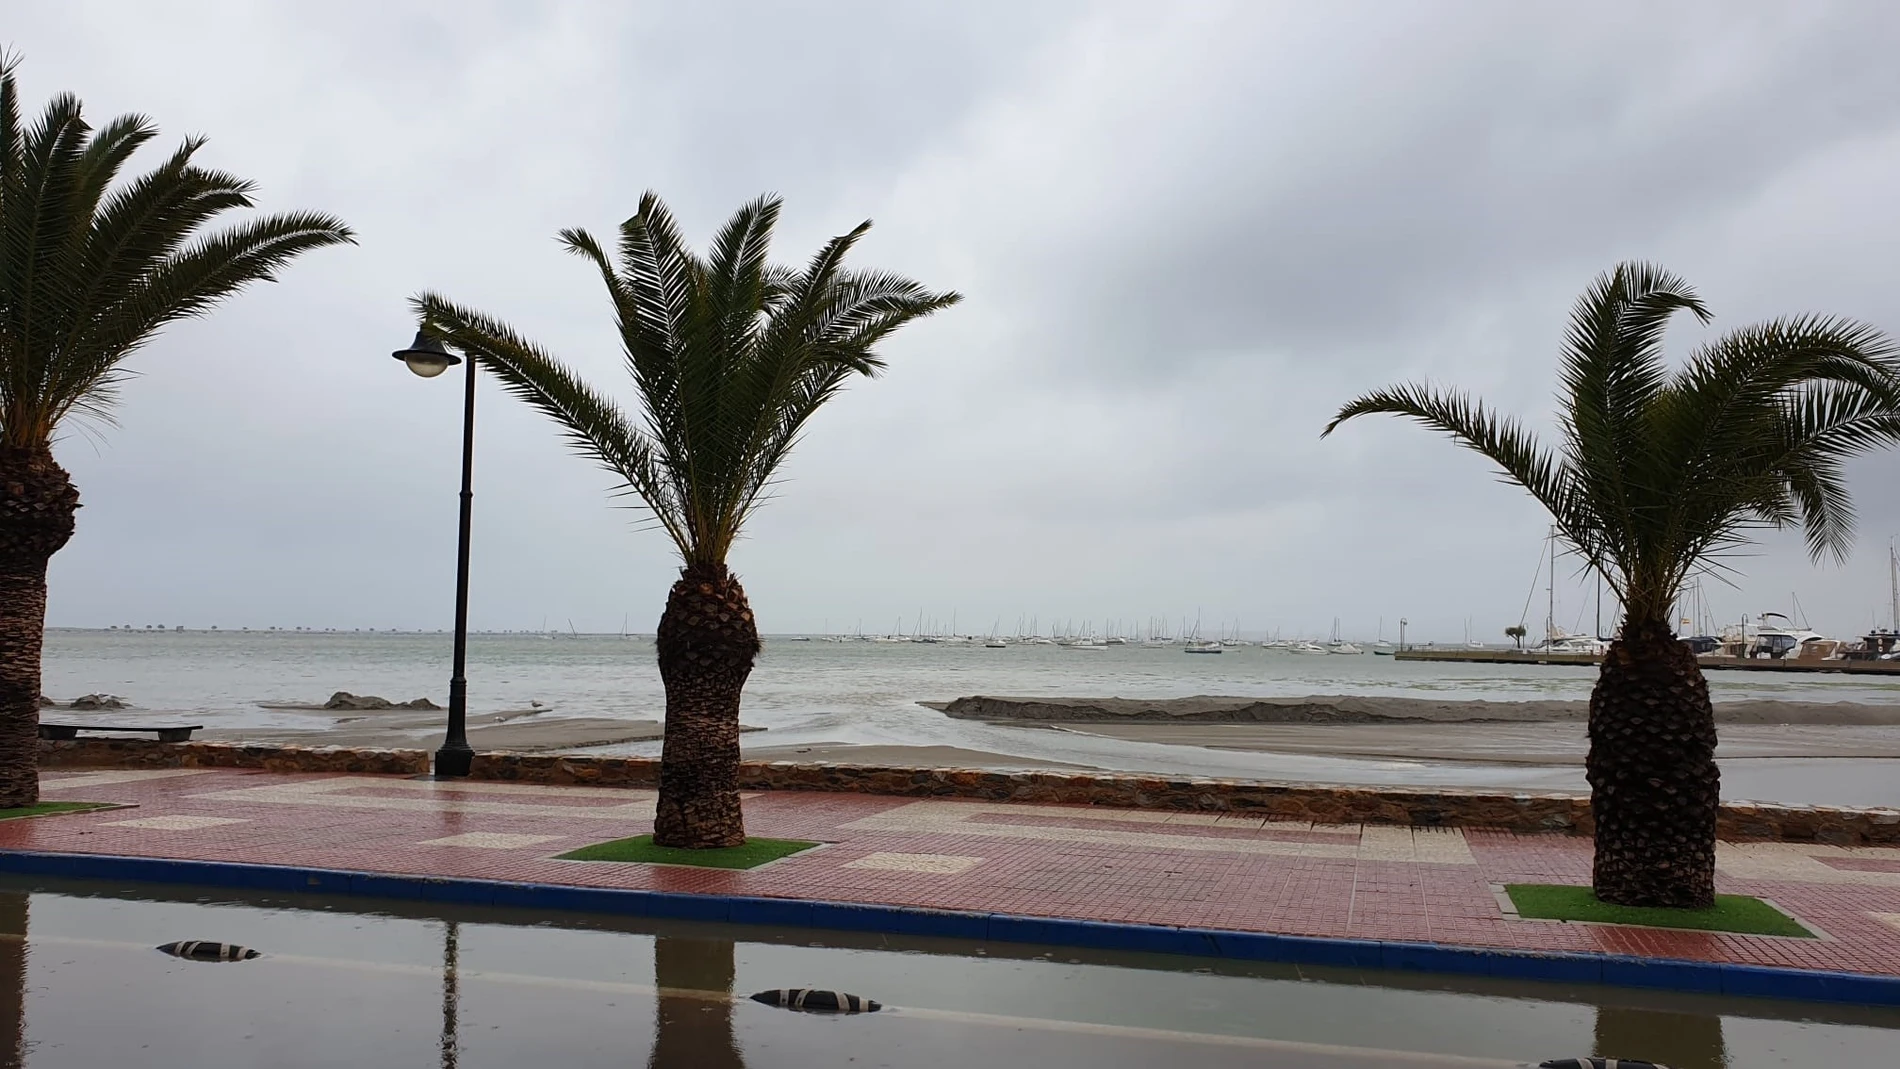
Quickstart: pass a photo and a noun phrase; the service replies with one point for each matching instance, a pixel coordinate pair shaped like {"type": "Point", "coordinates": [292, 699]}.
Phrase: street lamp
{"type": "Point", "coordinates": [427, 357]}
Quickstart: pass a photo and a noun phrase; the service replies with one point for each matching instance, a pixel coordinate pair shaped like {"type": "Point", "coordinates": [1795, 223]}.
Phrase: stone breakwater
{"type": "Point", "coordinates": [1276, 801]}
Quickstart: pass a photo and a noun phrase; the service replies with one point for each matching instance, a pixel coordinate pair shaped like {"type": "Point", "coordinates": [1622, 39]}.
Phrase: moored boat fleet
{"type": "Point", "coordinates": [1085, 639]}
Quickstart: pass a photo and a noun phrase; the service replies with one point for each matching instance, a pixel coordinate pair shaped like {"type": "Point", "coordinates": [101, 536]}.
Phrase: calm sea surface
{"type": "Point", "coordinates": [853, 692]}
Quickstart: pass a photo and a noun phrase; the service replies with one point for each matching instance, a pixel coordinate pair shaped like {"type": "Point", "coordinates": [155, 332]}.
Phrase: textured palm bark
{"type": "Point", "coordinates": [692, 1025]}
{"type": "Point", "coordinates": [1654, 786]}
{"type": "Point", "coordinates": [37, 502]}
{"type": "Point", "coordinates": [707, 643]}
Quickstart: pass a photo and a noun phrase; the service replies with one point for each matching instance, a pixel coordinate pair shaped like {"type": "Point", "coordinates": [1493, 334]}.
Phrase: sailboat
{"type": "Point", "coordinates": [1382, 647]}
{"type": "Point", "coordinates": [1195, 644]}
{"type": "Point", "coordinates": [1338, 645]}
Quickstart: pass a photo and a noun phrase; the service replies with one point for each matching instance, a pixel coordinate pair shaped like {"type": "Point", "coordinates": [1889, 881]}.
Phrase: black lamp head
{"type": "Point", "coordinates": [427, 356]}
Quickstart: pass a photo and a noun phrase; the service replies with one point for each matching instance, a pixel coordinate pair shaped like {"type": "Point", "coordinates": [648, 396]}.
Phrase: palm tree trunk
{"type": "Point", "coordinates": [1654, 786]}
{"type": "Point", "coordinates": [37, 502]}
{"type": "Point", "coordinates": [707, 642]}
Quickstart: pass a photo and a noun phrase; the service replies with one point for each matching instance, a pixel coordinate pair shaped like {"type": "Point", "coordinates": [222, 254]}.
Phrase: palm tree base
{"type": "Point", "coordinates": [707, 643]}
{"type": "Point", "coordinates": [1654, 785]}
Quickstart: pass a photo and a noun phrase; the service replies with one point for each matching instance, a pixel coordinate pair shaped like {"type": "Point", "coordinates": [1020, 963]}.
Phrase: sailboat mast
{"type": "Point", "coordinates": [1598, 633]}
{"type": "Point", "coordinates": [1550, 587]}
{"type": "Point", "coordinates": [1893, 579]}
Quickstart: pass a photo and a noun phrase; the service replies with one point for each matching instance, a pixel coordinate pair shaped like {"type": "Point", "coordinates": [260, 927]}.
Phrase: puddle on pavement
{"type": "Point", "coordinates": [349, 982]}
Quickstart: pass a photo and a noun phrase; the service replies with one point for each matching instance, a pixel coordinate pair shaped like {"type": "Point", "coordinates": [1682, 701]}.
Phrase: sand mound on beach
{"type": "Point", "coordinates": [1360, 709]}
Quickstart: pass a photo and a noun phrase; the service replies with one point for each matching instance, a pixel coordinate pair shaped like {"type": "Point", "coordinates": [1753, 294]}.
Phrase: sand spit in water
{"type": "Point", "coordinates": [1360, 709]}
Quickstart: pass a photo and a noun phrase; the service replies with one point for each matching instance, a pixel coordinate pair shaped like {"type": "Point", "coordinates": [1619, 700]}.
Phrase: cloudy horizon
{"type": "Point", "coordinates": [1185, 236]}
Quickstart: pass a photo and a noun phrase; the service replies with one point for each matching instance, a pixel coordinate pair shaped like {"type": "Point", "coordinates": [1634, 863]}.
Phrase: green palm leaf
{"type": "Point", "coordinates": [92, 268]}
{"type": "Point", "coordinates": [1660, 473]}
{"type": "Point", "coordinates": [730, 356]}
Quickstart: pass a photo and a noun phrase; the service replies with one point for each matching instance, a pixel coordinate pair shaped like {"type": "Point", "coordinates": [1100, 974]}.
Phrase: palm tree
{"type": "Point", "coordinates": [89, 272]}
{"type": "Point", "coordinates": [730, 356]}
{"type": "Point", "coordinates": [1516, 633]}
{"type": "Point", "coordinates": [1656, 476]}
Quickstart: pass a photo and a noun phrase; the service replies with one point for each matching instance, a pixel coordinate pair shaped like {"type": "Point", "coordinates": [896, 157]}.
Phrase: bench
{"type": "Point", "coordinates": [168, 733]}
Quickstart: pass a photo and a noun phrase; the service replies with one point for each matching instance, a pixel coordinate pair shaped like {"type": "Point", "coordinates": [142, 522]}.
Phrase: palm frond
{"type": "Point", "coordinates": [188, 283]}
{"type": "Point", "coordinates": [92, 267]}
{"type": "Point", "coordinates": [730, 356]}
{"type": "Point", "coordinates": [592, 423]}
{"type": "Point", "coordinates": [1661, 474]}
{"type": "Point", "coordinates": [1520, 458]}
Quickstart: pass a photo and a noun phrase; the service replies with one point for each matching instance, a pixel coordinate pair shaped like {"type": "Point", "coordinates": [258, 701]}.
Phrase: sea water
{"type": "Point", "coordinates": [867, 693]}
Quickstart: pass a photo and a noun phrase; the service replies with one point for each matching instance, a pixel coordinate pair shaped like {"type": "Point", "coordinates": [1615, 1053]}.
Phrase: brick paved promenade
{"type": "Point", "coordinates": [1118, 865]}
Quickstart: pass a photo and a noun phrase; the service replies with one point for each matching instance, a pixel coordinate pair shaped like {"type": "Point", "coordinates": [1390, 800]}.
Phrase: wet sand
{"type": "Point", "coordinates": [846, 753]}
{"type": "Point", "coordinates": [532, 730]}
{"type": "Point", "coordinates": [1494, 743]}
{"type": "Point", "coordinates": [486, 732]}
{"type": "Point", "coordinates": [1360, 709]}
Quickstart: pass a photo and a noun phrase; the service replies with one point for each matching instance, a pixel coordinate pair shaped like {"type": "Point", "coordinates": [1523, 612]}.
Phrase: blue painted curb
{"type": "Point", "coordinates": [1615, 970]}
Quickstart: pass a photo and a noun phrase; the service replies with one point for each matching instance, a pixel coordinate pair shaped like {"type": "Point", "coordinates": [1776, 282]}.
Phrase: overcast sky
{"type": "Point", "coordinates": [1186, 233]}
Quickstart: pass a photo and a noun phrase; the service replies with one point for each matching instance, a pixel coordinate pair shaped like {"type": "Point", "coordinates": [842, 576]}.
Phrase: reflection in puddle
{"type": "Point", "coordinates": [349, 983]}
{"type": "Point", "coordinates": [13, 925]}
{"type": "Point", "coordinates": [451, 1041]}
{"type": "Point", "coordinates": [1678, 1040]}
{"type": "Point", "coordinates": [689, 1028]}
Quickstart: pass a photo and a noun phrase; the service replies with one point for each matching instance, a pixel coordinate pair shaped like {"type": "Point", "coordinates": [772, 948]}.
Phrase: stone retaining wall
{"type": "Point", "coordinates": [1284, 801]}
{"type": "Point", "coordinates": [148, 753]}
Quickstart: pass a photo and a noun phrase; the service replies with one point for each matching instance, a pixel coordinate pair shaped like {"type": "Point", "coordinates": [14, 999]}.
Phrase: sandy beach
{"type": "Point", "coordinates": [1556, 743]}
{"type": "Point", "coordinates": [846, 753]}
{"type": "Point", "coordinates": [1370, 709]}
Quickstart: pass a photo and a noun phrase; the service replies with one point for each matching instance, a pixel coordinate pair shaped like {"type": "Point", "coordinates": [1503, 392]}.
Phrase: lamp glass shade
{"type": "Point", "coordinates": [427, 356]}
{"type": "Point", "coordinates": [424, 366]}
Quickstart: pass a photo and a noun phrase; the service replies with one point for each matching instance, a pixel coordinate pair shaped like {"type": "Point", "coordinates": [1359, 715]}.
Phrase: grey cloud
{"type": "Point", "coordinates": [1187, 233]}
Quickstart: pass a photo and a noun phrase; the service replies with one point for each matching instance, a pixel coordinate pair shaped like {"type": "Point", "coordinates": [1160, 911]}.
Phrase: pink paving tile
{"type": "Point", "coordinates": [1861, 864]}
{"type": "Point", "coordinates": [380, 830]}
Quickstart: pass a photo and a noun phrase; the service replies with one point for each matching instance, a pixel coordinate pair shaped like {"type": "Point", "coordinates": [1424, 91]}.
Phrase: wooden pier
{"type": "Point", "coordinates": [1758, 664]}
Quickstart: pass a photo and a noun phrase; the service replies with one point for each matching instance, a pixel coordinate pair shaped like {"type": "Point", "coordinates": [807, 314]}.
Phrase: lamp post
{"type": "Point", "coordinates": [427, 357]}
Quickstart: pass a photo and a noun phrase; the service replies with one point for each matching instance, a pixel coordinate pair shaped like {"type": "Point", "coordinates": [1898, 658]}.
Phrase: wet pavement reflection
{"type": "Point", "coordinates": [690, 1028]}
{"type": "Point", "coordinates": [349, 983]}
{"type": "Point", "coordinates": [13, 928]}
{"type": "Point", "coordinates": [451, 1041]}
{"type": "Point", "coordinates": [1678, 1040]}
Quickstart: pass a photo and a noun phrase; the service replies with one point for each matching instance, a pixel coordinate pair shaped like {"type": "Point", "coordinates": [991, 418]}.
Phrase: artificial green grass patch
{"type": "Point", "coordinates": [41, 809]}
{"type": "Point", "coordinates": [1731, 913]}
{"type": "Point", "coordinates": [754, 853]}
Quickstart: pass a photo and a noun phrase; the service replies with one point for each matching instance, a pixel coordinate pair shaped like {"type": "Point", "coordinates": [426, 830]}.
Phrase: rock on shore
{"type": "Point", "coordinates": [343, 699]}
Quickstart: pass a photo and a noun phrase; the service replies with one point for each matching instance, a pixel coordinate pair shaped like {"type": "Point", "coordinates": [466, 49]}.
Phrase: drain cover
{"type": "Point", "coordinates": [202, 950]}
{"type": "Point", "coordinates": [1597, 1063]}
{"type": "Point", "coordinates": [811, 1000]}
